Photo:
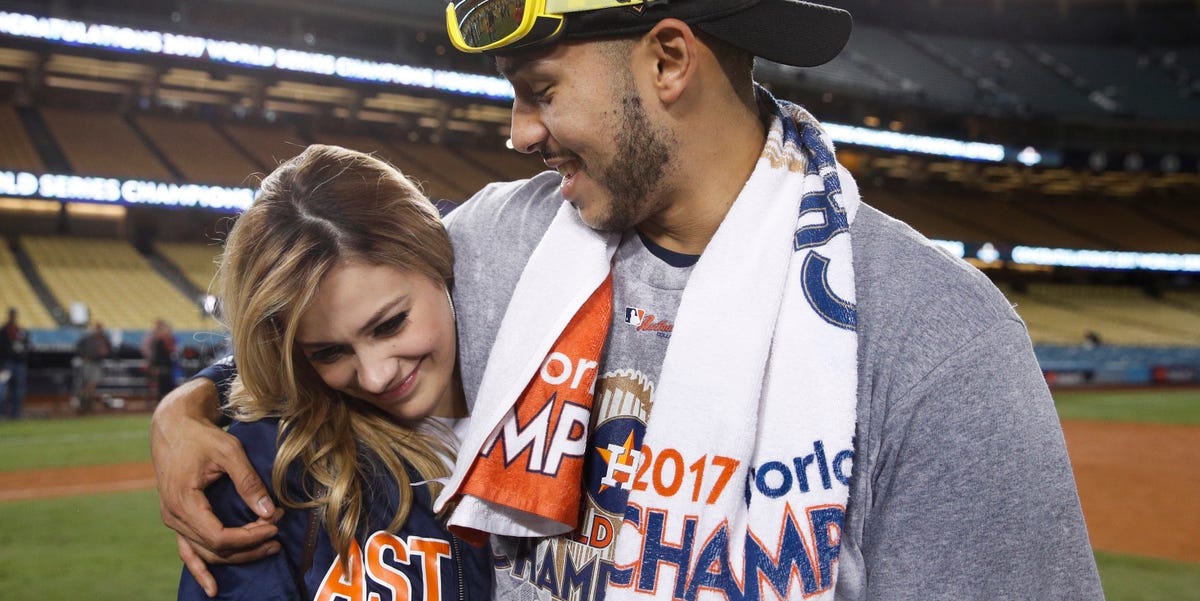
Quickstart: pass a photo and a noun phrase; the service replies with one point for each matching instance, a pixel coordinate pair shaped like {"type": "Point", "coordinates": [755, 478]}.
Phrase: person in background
{"type": "Point", "coordinates": [91, 351]}
{"type": "Point", "coordinates": [799, 397]}
{"type": "Point", "coordinates": [158, 347]}
{"type": "Point", "coordinates": [14, 366]}
{"type": "Point", "coordinates": [335, 291]}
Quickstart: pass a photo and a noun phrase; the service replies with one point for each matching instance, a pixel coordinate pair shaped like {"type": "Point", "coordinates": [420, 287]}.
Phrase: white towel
{"type": "Point", "coordinates": [566, 271]}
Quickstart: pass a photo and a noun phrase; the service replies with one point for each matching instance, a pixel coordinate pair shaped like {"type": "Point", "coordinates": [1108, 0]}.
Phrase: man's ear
{"type": "Point", "coordinates": [673, 47]}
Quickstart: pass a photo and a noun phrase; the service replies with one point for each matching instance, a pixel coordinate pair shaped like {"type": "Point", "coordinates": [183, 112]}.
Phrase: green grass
{"type": "Point", "coordinates": [1128, 578]}
{"type": "Point", "coordinates": [109, 547]}
{"type": "Point", "coordinates": [100, 440]}
{"type": "Point", "coordinates": [1153, 405]}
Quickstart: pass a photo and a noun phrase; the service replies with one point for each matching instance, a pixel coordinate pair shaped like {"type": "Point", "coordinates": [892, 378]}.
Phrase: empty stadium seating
{"type": "Point", "coordinates": [1187, 300]}
{"type": "Point", "coordinates": [466, 173]}
{"type": "Point", "coordinates": [1014, 72]}
{"type": "Point", "coordinates": [16, 293]}
{"type": "Point", "coordinates": [433, 182]}
{"type": "Point", "coordinates": [1124, 225]}
{"type": "Point", "coordinates": [1119, 315]}
{"type": "Point", "coordinates": [90, 141]}
{"type": "Point", "coordinates": [508, 164]}
{"type": "Point", "coordinates": [847, 72]}
{"type": "Point", "coordinates": [1131, 79]}
{"type": "Point", "coordinates": [932, 80]}
{"type": "Point", "coordinates": [268, 145]}
{"type": "Point", "coordinates": [961, 73]}
{"type": "Point", "coordinates": [16, 151]}
{"type": "Point", "coordinates": [119, 287]}
{"type": "Point", "coordinates": [196, 261]}
{"type": "Point", "coordinates": [198, 150]}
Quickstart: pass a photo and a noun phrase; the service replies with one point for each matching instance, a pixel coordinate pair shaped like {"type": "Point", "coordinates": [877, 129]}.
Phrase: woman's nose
{"type": "Point", "coordinates": [376, 369]}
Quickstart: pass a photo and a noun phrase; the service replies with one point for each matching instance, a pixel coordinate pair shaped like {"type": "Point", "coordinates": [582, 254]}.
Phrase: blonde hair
{"type": "Point", "coordinates": [314, 211]}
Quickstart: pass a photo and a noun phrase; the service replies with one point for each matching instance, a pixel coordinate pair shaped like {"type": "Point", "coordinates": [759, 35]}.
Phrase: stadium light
{"type": "Point", "coordinates": [1077, 258]}
{"type": "Point", "coordinates": [890, 140]}
{"type": "Point", "coordinates": [126, 39]}
{"type": "Point", "coordinates": [1106, 259]}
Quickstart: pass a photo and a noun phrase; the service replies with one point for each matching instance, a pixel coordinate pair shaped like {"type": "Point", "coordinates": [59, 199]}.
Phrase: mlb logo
{"type": "Point", "coordinates": [634, 316]}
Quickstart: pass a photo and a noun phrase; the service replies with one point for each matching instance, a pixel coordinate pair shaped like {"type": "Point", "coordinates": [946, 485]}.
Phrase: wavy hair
{"type": "Point", "coordinates": [324, 206]}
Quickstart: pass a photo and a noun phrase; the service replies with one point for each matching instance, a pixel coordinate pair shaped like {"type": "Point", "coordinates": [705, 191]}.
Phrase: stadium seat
{"type": "Point", "coordinates": [15, 292]}
{"type": "Point", "coordinates": [89, 138]}
{"type": "Point", "coordinates": [118, 285]}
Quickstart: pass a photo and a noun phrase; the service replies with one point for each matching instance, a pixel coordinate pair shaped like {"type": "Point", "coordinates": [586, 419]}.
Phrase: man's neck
{"type": "Point", "coordinates": [713, 170]}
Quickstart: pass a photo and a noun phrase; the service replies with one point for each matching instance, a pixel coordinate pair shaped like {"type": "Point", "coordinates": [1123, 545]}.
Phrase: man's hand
{"type": "Point", "coordinates": [190, 452]}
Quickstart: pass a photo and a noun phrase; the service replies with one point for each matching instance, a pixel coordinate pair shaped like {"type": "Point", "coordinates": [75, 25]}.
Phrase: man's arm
{"type": "Point", "coordinates": [189, 453]}
{"type": "Point", "coordinates": [972, 495]}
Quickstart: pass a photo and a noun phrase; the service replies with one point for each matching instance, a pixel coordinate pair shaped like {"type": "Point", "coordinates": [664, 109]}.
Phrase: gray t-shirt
{"type": "Point", "coordinates": [961, 487]}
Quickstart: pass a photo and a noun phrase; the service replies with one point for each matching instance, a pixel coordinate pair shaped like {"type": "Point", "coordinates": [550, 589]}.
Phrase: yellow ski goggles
{"type": "Point", "coordinates": [483, 25]}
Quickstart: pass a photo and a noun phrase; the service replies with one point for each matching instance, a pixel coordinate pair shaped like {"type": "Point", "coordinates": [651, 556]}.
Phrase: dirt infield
{"type": "Point", "coordinates": [1139, 485]}
{"type": "Point", "coordinates": [68, 481]}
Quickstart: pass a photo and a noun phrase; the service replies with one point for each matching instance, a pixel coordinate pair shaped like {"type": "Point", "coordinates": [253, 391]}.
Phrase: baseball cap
{"type": "Point", "coordinates": [792, 32]}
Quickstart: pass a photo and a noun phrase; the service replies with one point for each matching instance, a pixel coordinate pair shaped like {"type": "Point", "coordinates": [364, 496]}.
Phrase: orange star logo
{"type": "Point", "coordinates": [622, 461]}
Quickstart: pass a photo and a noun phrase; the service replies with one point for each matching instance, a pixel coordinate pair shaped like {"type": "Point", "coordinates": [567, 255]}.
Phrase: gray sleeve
{"type": "Point", "coordinates": [962, 488]}
{"type": "Point", "coordinates": [493, 235]}
{"type": "Point", "coordinates": [971, 491]}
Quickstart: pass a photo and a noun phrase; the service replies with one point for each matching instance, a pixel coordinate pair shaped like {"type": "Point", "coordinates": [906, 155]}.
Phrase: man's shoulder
{"type": "Point", "coordinates": [507, 210]}
{"type": "Point", "coordinates": [896, 268]}
{"type": "Point", "coordinates": [914, 299]}
{"type": "Point", "coordinates": [496, 231]}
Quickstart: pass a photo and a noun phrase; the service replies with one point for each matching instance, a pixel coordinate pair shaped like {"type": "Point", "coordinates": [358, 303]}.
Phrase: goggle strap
{"type": "Point", "coordinates": [544, 29]}
{"type": "Point", "coordinates": [558, 7]}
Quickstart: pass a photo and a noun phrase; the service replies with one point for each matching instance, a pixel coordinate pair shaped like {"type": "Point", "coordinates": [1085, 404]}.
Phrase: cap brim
{"type": "Point", "coordinates": [791, 32]}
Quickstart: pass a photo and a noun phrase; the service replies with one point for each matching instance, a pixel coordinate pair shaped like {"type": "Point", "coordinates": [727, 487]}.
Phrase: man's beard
{"type": "Point", "coordinates": [636, 170]}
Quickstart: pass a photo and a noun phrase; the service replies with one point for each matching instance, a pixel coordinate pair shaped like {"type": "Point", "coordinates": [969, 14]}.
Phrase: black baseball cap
{"type": "Point", "coordinates": [792, 32]}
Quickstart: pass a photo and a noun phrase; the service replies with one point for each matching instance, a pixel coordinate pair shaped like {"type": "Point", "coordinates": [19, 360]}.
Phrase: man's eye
{"type": "Point", "coordinates": [391, 326]}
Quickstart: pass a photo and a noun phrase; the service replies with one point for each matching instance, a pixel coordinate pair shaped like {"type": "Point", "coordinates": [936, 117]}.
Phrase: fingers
{"type": "Point", "coordinates": [197, 523]}
{"type": "Point", "coordinates": [196, 566]}
{"type": "Point", "coordinates": [263, 548]}
{"type": "Point", "coordinates": [249, 486]}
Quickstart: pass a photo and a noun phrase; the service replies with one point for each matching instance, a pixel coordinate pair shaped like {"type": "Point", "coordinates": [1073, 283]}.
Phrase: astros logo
{"type": "Point", "coordinates": [622, 461]}
{"type": "Point", "coordinates": [615, 457]}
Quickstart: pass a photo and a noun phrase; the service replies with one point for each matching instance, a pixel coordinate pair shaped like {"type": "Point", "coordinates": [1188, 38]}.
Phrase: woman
{"type": "Point", "coordinates": [334, 287]}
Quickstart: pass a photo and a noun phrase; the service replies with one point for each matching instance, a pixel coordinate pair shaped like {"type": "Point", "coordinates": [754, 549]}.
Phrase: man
{"type": "Point", "coordinates": [902, 362]}
{"type": "Point", "coordinates": [158, 347]}
{"type": "Point", "coordinates": [14, 365]}
{"type": "Point", "coordinates": [92, 349]}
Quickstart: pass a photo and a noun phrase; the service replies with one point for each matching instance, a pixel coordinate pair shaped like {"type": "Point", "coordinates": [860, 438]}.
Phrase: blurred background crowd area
{"type": "Point", "coordinates": [1055, 144]}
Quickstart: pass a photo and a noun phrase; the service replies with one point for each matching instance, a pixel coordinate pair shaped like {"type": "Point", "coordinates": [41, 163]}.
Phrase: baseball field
{"type": "Point", "coordinates": [79, 515]}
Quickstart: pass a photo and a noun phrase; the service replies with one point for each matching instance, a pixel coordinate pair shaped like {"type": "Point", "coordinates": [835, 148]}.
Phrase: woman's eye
{"type": "Point", "coordinates": [392, 325]}
{"type": "Point", "coordinates": [328, 354]}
